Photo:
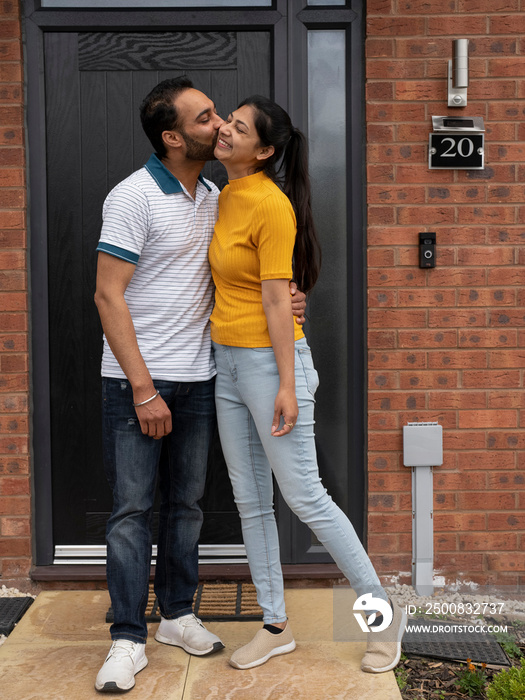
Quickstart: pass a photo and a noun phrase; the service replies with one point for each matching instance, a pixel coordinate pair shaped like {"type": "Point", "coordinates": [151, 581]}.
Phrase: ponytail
{"type": "Point", "coordinates": [288, 167]}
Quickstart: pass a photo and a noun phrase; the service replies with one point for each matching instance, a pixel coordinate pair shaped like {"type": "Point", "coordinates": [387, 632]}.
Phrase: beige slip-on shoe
{"type": "Point", "coordinates": [383, 649]}
{"type": "Point", "coordinates": [262, 647]}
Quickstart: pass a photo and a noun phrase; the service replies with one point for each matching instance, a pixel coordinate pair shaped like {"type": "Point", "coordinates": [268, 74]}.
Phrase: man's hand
{"type": "Point", "coordinates": [154, 418]}
{"type": "Point", "coordinates": [298, 303]}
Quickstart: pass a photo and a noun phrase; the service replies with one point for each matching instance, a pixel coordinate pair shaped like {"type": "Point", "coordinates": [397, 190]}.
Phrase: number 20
{"type": "Point", "coordinates": [449, 153]}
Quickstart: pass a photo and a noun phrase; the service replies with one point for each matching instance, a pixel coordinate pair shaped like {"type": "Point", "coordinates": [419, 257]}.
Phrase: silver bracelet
{"type": "Point", "coordinates": [147, 400]}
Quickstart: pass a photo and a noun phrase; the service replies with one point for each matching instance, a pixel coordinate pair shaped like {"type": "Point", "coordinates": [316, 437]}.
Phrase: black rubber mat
{"type": "Point", "coordinates": [452, 640]}
{"type": "Point", "coordinates": [11, 611]}
{"type": "Point", "coordinates": [213, 602]}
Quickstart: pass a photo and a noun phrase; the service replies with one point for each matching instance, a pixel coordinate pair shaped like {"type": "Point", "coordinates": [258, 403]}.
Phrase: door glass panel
{"type": "Point", "coordinates": [328, 305]}
{"type": "Point", "coordinates": [135, 4]}
{"type": "Point", "coordinates": [326, 2]}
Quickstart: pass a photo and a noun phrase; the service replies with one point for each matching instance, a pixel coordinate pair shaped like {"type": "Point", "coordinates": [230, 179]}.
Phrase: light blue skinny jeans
{"type": "Point", "coordinates": [245, 390]}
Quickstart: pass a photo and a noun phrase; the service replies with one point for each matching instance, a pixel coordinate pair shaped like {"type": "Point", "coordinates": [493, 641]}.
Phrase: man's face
{"type": "Point", "coordinates": [199, 124]}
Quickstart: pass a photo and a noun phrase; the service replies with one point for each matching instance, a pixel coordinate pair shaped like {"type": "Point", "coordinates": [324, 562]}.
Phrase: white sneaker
{"type": "Point", "coordinates": [189, 633]}
{"type": "Point", "coordinates": [124, 660]}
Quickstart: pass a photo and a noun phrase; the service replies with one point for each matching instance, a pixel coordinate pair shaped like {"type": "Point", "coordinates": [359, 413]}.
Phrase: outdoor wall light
{"type": "Point", "coordinates": [458, 74]}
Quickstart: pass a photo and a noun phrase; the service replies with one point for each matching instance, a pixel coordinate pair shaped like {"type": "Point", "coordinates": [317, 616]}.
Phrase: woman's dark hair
{"type": "Point", "coordinates": [158, 112]}
{"type": "Point", "coordinates": [288, 167]}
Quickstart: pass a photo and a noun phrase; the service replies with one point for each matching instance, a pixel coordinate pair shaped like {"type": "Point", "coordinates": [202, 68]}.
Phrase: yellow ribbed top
{"type": "Point", "coordinates": [253, 241]}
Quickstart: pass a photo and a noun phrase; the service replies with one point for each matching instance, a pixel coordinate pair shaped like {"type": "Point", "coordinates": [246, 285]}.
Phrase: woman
{"type": "Point", "coordinates": [266, 380]}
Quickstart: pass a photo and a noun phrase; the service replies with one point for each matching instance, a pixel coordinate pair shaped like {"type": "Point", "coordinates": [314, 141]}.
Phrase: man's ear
{"type": "Point", "coordinates": [172, 139]}
{"type": "Point", "coordinates": [265, 152]}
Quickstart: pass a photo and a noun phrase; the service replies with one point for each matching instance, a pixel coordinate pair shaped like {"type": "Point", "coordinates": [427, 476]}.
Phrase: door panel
{"type": "Point", "coordinates": [96, 81]}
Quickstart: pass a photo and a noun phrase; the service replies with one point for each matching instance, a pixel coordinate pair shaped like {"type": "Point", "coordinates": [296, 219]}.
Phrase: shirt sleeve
{"type": "Point", "coordinates": [126, 222]}
{"type": "Point", "coordinates": [275, 237]}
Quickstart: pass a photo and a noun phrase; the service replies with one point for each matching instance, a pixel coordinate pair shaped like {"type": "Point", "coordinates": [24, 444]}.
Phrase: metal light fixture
{"type": "Point", "coordinates": [458, 74]}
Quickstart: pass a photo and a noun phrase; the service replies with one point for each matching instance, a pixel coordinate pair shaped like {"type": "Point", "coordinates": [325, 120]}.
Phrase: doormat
{"type": "Point", "coordinates": [213, 602]}
{"type": "Point", "coordinates": [11, 611]}
{"type": "Point", "coordinates": [442, 640]}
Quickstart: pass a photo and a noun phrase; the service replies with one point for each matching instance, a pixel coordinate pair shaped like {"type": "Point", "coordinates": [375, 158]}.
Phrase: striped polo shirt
{"type": "Point", "coordinates": [150, 220]}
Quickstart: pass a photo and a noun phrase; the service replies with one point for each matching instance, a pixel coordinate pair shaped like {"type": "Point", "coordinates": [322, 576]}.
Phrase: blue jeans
{"type": "Point", "coordinates": [132, 461]}
{"type": "Point", "coordinates": [246, 386]}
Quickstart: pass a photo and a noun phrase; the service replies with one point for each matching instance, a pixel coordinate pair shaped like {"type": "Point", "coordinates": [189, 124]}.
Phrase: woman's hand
{"type": "Point", "coordinates": [285, 406]}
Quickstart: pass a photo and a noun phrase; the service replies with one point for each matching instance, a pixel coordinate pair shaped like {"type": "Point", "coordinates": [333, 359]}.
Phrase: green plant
{"type": "Point", "coordinates": [508, 643]}
{"type": "Point", "coordinates": [401, 675]}
{"type": "Point", "coordinates": [472, 680]}
{"type": "Point", "coordinates": [508, 685]}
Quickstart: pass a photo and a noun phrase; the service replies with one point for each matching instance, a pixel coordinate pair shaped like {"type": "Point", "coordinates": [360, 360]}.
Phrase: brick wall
{"type": "Point", "coordinates": [447, 344]}
{"type": "Point", "coordinates": [15, 526]}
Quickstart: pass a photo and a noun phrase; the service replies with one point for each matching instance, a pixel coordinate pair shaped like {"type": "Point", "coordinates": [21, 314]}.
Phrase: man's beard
{"type": "Point", "coordinates": [196, 150]}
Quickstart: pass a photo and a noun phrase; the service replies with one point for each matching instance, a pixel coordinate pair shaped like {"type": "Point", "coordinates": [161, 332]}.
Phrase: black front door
{"type": "Point", "coordinates": [87, 73]}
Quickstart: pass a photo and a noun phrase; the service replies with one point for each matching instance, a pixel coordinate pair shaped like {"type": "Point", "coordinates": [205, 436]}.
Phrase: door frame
{"type": "Point", "coordinates": [290, 91]}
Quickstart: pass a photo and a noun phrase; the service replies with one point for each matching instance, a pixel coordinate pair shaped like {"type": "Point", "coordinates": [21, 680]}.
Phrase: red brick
{"type": "Point", "coordinates": [505, 152]}
{"type": "Point", "coordinates": [427, 297]}
{"type": "Point", "coordinates": [380, 173]}
{"type": "Point", "coordinates": [14, 465]}
{"type": "Point", "coordinates": [383, 380]}
{"type": "Point", "coordinates": [486, 541]}
{"type": "Point", "coordinates": [455, 25]}
{"type": "Point", "coordinates": [457, 399]}
{"type": "Point", "coordinates": [427, 379]}
{"type": "Point", "coordinates": [460, 359]}
{"type": "Point", "coordinates": [380, 257]}
{"type": "Point", "coordinates": [421, 90]}
{"type": "Point", "coordinates": [397, 359]}
{"type": "Point", "coordinates": [486, 460]}
{"type": "Point", "coordinates": [379, 7]}
{"type": "Point", "coordinates": [459, 522]}
{"type": "Point", "coordinates": [506, 399]}
{"type": "Point", "coordinates": [384, 462]}
{"type": "Point", "coordinates": [422, 47]}
{"type": "Point", "coordinates": [379, 91]}
{"type": "Point", "coordinates": [488, 338]}
{"type": "Point", "coordinates": [488, 6]}
{"type": "Point", "coordinates": [486, 256]}
{"type": "Point", "coordinates": [458, 277]}
{"type": "Point", "coordinates": [506, 521]}
{"type": "Point", "coordinates": [396, 318]}
{"type": "Point", "coordinates": [506, 562]}
{"type": "Point", "coordinates": [383, 421]}
{"type": "Point", "coordinates": [395, 112]}
{"type": "Point", "coordinates": [396, 277]}
{"type": "Point", "coordinates": [15, 547]}
{"type": "Point", "coordinates": [382, 339]}
{"type": "Point", "coordinates": [458, 481]}
{"type": "Point", "coordinates": [395, 400]}
{"type": "Point", "coordinates": [487, 501]}
{"type": "Point", "coordinates": [459, 562]}
{"type": "Point", "coordinates": [382, 297]}
{"type": "Point", "coordinates": [444, 501]}
{"type": "Point", "coordinates": [507, 358]}
{"type": "Point", "coordinates": [511, 480]}
{"type": "Point", "coordinates": [507, 318]}
{"type": "Point", "coordinates": [428, 339]}
{"type": "Point", "coordinates": [486, 297]}
{"type": "Point", "coordinates": [391, 522]}
{"type": "Point", "coordinates": [395, 26]}
{"type": "Point", "coordinates": [503, 440]}
{"type": "Point", "coordinates": [15, 527]}
{"type": "Point", "coordinates": [507, 24]}
{"type": "Point", "coordinates": [456, 318]}
{"type": "Point", "coordinates": [445, 543]}
{"type": "Point", "coordinates": [458, 440]}
{"type": "Point", "coordinates": [379, 48]}
{"type": "Point", "coordinates": [488, 419]}
{"type": "Point", "coordinates": [378, 194]}
{"type": "Point", "coordinates": [381, 215]}
{"type": "Point", "coordinates": [15, 505]}
{"type": "Point", "coordinates": [480, 379]}
{"type": "Point", "coordinates": [13, 424]}
{"type": "Point", "coordinates": [15, 486]}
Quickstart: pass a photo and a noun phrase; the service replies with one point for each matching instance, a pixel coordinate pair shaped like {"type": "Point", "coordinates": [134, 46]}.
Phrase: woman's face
{"type": "Point", "coordinates": [238, 146]}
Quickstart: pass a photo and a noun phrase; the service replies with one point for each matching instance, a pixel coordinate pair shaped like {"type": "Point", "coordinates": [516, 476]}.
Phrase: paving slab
{"type": "Point", "coordinates": [57, 648]}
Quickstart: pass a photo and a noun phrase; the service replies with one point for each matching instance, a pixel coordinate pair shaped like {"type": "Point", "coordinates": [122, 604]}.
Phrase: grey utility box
{"type": "Point", "coordinates": [422, 450]}
{"type": "Point", "coordinates": [422, 445]}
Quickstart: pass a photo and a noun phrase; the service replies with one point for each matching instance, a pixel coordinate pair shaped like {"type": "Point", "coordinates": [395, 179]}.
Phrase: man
{"type": "Point", "coordinates": [155, 295]}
